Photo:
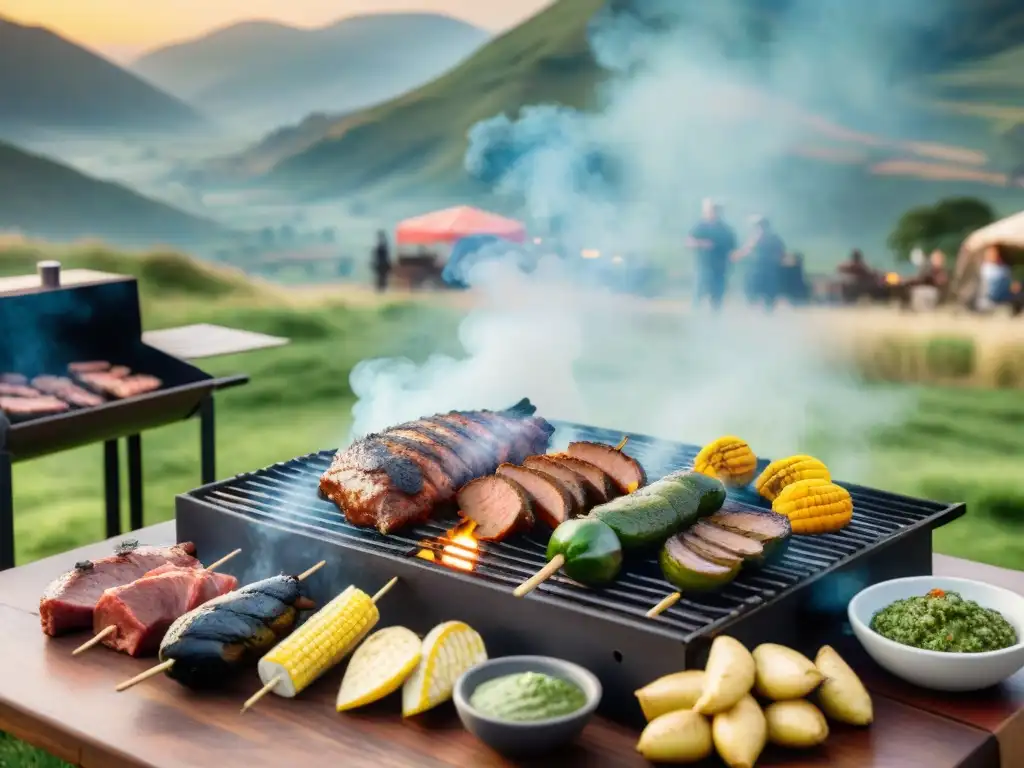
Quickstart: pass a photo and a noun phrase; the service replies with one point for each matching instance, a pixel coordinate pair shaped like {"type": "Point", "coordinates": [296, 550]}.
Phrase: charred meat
{"type": "Point", "coordinates": [231, 632]}
{"type": "Point", "coordinates": [497, 505]}
{"type": "Point", "coordinates": [598, 484]}
{"type": "Point", "coordinates": [397, 477]}
{"type": "Point", "coordinates": [564, 476]}
{"type": "Point", "coordinates": [622, 468]}
{"type": "Point", "coordinates": [551, 503]}
{"type": "Point", "coordinates": [68, 603]}
{"type": "Point", "coordinates": [143, 610]}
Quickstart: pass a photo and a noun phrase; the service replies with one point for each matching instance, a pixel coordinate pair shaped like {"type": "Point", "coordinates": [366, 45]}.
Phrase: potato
{"type": "Point", "coordinates": [783, 673]}
{"type": "Point", "coordinates": [682, 736]}
{"type": "Point", "coordinates": [740, 733]}
{"type": "Point", "coordinates": [671, 692]}
{"type": "Point", "coordinates": [796, 723]}
{"type": "Point", "coordinates": [842, 695]}
{"type": "Point", "coordinates": [728, 676]}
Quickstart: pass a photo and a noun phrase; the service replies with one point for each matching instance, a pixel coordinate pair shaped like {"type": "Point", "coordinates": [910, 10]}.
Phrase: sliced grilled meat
{"type": "Point", "coordinates": [568, 479]}
{"type": "Point", "coordinates": [17, 390]}
{"type": "Point", "coordinates": [551, 503]}
{"type": "Point", "coordinates": [598, 484]}
{"type": "Point", "coordinates": [497, 505]}
{"type": "Point", "coordinates": [622, 468]}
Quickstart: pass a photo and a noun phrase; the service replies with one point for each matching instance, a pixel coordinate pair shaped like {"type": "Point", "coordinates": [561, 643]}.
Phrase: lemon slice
{"type": "Point", "coordinates": [449, 649]}
{"type": "Point", "coordinates": [378, 667]}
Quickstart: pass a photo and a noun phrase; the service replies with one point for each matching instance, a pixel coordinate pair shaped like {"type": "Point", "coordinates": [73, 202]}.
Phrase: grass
{"type": "Point", "coordinates": [955, 443]}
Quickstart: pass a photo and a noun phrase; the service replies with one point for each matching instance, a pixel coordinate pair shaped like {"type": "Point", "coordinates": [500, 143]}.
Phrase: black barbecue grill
{"type": "Point", "coordinates": [276, 514]}
{"type": "Point", "coordinates": [46, 327]}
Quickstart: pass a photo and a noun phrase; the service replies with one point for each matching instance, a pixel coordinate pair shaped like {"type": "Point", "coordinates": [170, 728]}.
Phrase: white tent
{"type": "Point", "coordinates": [1008, 231]}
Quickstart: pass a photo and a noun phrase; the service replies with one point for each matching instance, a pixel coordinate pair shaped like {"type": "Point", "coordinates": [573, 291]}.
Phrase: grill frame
{"type": "Point", "coordinates": [262, 513]}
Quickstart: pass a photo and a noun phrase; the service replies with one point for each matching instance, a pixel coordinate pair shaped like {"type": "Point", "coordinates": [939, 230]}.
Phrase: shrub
{"type": "Point", "coordinates": [949, 357]}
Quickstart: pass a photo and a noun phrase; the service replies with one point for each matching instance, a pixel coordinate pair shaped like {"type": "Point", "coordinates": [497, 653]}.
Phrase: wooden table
{"type": "Point", "coordinates": [68, 707]}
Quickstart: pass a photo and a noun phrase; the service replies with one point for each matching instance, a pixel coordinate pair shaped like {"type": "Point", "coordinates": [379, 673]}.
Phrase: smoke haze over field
{"type": "Point", "coordinates": [683, 116]}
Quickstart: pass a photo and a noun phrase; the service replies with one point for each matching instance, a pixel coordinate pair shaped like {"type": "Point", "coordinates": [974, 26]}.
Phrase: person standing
{"type": "Point", "coordinates": [714, 241]}
{"type": "Point", "coordinates": [766, 252]}
{"type": "Point", "coordinates": [381, 262]}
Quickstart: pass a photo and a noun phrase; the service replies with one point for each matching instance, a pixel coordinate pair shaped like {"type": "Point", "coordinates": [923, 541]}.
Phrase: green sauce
{"type": "Point", "coordinates": [527, 697]}
{"type": "Point", "coordinates": [944, 621]}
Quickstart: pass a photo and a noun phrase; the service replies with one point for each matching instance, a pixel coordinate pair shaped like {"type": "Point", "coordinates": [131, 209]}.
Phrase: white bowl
{"type": "Point", "coordinates": [939, 670]}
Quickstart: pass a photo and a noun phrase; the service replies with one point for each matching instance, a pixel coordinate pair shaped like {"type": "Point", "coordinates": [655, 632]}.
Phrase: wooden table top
{"type": "Point", "coordinates": [68, 707]}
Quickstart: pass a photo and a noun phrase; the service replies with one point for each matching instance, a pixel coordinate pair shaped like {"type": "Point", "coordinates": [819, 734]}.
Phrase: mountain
{"type": "Point", "coordinates": [48, 82]}
{"type": "Point", "coordinates": [274, 74]}
{"type": "Point", "coordinates": [42, 198]}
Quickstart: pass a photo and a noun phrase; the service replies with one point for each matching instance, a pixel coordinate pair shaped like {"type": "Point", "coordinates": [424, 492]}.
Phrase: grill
{"type": "Point", "coordinates": [278, 517]}
{"type": "Point", "coordinates": [44, 328]}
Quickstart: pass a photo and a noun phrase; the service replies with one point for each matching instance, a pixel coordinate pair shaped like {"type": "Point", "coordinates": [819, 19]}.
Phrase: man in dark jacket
{"type": "Point", "coordinates": [766, 252]}
{"type": "Point", "coordinates": [714, 241]}
{"type": "Point", "coordinates": [381, 262]}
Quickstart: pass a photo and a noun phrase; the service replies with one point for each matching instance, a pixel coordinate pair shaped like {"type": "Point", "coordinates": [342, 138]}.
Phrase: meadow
{"type": "Point", "coordinates": [962, 440]}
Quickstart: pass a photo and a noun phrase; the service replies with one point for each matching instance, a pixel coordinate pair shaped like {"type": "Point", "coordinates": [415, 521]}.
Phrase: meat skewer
{"type": "Point", "coordinates": [111, 629]}
{"type": "Point", "coordinates": [260, 613]}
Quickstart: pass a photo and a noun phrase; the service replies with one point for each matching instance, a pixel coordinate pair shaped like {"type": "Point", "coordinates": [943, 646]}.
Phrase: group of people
{"type": "Point", "coordinates": [717, 249]}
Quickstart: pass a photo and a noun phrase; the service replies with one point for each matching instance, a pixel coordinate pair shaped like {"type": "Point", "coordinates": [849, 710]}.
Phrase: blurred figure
{"type": "Point", "coordinates": [713, 240]}
{"type": "Point", "coordinates": [857, 279]}
{"type": "Point", "coordinates": [933, 274]}
{"type": "Point", "coordinates": [381, 261]}
{"type": "Point", "coordinates": [997, 285]}
{"type": "Point", "coordinates": [766, 252]}
{"type": "Point", "coordinates": [793, 283]}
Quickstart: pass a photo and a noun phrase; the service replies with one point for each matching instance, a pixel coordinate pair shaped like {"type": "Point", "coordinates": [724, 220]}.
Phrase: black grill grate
{"type": "Point", "coordinates": [286, 494]}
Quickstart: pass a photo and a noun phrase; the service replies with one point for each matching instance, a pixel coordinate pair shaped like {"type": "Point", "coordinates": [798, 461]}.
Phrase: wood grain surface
{"type": "Point", "coordinates": [68, 707]}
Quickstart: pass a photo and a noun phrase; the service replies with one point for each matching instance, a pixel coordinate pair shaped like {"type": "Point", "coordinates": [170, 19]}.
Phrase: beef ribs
{"type": "Point", "coordinates": [69, 601]}
{"type": "Point", "coordinates": [397, 477]}
{"type": "Point", "coordinates": [144, 609]}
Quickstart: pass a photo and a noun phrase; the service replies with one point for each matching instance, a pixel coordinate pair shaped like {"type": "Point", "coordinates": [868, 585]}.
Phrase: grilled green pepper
{"type": "Point", "coordinates": [592, 552]}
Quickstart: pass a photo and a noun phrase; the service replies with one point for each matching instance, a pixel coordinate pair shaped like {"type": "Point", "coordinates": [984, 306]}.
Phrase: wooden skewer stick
{"type": "Point", "coordinates": [556, 562]}
{"type": "Point", "coordinates": [165, 665]}
{"type": "Point", "coordinates": [251, 701]}
{"type": "Point", "coordinates": [667, 602]}
{"type": "Point", "coordinates": [109, 630]}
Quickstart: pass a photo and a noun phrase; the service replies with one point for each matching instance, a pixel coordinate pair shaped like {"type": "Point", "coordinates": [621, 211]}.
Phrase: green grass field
{"type": "Point", "coordinates": [956, 444]}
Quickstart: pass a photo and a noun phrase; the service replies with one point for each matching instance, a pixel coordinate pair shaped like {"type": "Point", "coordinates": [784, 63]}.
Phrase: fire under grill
{"type": "Point", "coordinates": [277, 515]}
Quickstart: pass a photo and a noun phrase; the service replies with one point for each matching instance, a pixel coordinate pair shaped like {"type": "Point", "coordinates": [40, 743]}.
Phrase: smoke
{"type": "Point", "coordinates": [700, 99]}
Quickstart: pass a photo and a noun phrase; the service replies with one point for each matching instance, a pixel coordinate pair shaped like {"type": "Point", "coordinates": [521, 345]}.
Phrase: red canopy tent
{"type": "Point", "coordinates": [453, 224]}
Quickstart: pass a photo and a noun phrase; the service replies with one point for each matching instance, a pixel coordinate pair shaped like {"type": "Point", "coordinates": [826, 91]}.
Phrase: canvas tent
{"type": "Point", "coordinates": [1007, 234]}
{"type": "Point", "coordinates": [453, 224]}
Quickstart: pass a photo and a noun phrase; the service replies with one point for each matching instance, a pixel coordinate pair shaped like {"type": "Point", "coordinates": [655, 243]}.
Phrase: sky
{"type": "Point", "coordinates": [123, 29]}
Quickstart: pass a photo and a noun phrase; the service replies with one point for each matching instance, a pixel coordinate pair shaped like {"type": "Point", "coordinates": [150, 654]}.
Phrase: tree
{"type": "Point", "coordinates": [941, 226]}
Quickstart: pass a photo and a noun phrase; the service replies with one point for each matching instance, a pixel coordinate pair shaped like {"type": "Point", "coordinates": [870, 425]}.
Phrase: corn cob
{"type": "Point", "coordinates": [783, 472]}
{"type": "Point", "coordinates": [326, 638]}
{"type": "Point", "coordinates": [449, 649]}
{"type": "Point", "coordinates": [729, 459]}
{"type": "Point", "coordinates": [379, 666]}
{"type": "Point", "coordinates": [815, 506]}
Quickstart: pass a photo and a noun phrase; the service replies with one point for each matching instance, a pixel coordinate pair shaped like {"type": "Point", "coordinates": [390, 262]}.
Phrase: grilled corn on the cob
{"type": "Point", "coordinates": [815, 506]}
{"type": "Point", "coordinates": [379, 666]}
{"type": "Point", "coordinates": [729, 459]}
{"type": "Point", "coordinates": [449, 649]}
{"type": "Point", "coordinates": [327, 637]}
{"type": "Point", "coordinates": [783, 472]}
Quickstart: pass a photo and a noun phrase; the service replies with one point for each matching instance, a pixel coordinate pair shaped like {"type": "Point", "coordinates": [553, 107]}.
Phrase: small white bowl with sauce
{"type": "Point", "coordinates": [940, 670]}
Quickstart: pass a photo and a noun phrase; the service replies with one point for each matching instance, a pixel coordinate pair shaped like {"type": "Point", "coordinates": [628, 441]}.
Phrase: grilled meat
{"type": "Point", "coordinates": [565, 477]}
{"type": "Point", "coordinates": [13, 378]}
{"type": "Point", "coordinates": [17, 390]}
{"type": "Point", "coordinates": [67, 390]}
{"type": "Point", "coordinates": [119, 384]}
{"type": "Point", "coordinates": [497, 505]}
{"type": "Point", "coordinates": [88, 366]}
{"type": "Point", "coordinates": [143, 610]}
{"type": "Point", "coordinates": [622, 468]}
{"type": "Point", "coordinates": [231, 632]}
{"type": "Point", "coordinates": [69, 601]}
{"type": "Point", "coordinates": [397, 477]}
{"type": "Point", "coordinates": [549, 500]}
{"type": "Point", "coordinates": [32, 406]}
{"type": "Point", "coordinates": [598, 484]}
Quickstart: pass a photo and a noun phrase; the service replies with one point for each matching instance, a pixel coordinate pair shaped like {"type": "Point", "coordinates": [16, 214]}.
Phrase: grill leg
{"type": "Point", "coordinates": [112, 486]}
{"type": "Point", "coordinates": [135, 482]}
{"type": "Point", "coordinates": [207, 441]}
{"type": "Point", "coordinates": [6, 513]}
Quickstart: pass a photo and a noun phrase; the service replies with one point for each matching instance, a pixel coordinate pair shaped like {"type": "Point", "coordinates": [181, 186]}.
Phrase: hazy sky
{"type": "Point", "coordinates": [122, 28]}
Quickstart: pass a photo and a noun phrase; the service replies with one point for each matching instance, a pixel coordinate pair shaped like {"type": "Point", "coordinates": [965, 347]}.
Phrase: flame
{"type": "Point", "coordinates": [590, 253]}
{"type": "Point", "coordinates": [461, 550]}
{"type": "Point", "coordinates": [892, 278]}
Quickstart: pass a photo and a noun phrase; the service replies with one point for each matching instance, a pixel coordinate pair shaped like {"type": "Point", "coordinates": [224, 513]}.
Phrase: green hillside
{"type": "Point", "coordinates": [48, 82]}
{"type": "Point", "coordinates": [42, 198]}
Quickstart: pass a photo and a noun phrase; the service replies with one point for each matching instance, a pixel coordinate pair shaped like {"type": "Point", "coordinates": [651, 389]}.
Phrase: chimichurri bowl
{"type": "Point", "coordinates": [937, 669]}
{"type": "Point", "coordinates": [518, 738]}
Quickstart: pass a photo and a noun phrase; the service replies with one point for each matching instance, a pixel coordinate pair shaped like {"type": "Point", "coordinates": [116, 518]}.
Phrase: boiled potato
{"type": "Point", "coordinates": [728, 676]}
{"type": "Point", "coordinates": [783, 673]}
{"type": "Point", "coordinates": [671, 692]}
{"type": "Point", "coordinates": [796, 723]}
{"type": "Point", "coordinates": [842, 695]}
{"type": "Point", "coordinates": [740, 733]}
{"type": "Point", "coordinates": [682, 736]}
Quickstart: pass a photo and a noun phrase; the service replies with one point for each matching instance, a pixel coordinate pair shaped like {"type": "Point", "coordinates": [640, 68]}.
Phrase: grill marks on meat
{"type": "Point", "coordinates": [598, 484]}
{"type": "Point", "coordinates": [143, 610]}
{"type": "Point", "coordinates": [497, 505]}
{"type": "Point", "coordinates": [551, 503]}
{"type": "Point", "coordinates": [68, 602]}
{"type": "Point", "coordinates": [568, 479]}
{"type": "Point", "coordinates": [397, 477]}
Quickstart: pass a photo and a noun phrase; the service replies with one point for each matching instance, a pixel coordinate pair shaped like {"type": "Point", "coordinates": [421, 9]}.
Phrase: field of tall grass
{"type": "Point", "coordinates": [962, 440]}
